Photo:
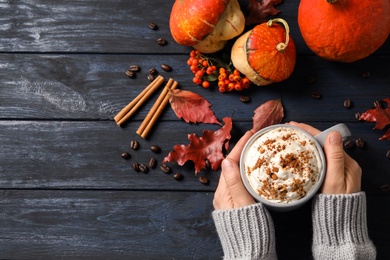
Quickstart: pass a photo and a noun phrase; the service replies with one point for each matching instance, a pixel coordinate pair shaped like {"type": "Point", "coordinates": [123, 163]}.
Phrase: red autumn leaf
{"type": "Point", "coordinates": [380, 116]}
{"type": "Point", "coordinates": [191, 107]}
{"type": "Point", "coordinates": [269, 113]}
{"type": "Point", "coordinates": [209, 146]}
{"type": "Point", "coordinates": [258, 11]}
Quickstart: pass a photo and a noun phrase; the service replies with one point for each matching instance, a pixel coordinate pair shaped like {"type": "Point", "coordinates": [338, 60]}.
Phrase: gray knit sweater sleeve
{"type": "Point", "coordinates": [340, 227]}
{"type": "Point", "coordinates": [246, 233]}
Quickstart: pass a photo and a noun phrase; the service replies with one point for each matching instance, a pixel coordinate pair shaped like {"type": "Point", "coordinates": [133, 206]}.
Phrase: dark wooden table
{"type": "Point", "coordinates": [65, 190]}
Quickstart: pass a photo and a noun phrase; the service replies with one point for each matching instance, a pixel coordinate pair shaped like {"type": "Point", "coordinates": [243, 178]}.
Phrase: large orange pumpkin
{"type": "Point", "coordinates": [265, 54]}
{"type": "Point", "coordinates": [344, 30]}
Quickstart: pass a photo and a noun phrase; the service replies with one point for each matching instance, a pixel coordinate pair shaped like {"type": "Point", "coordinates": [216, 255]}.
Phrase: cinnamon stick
{"type": "Point", "coordinates": [156, 110]}
{"type": "Point", "coordinates": [132, 107]}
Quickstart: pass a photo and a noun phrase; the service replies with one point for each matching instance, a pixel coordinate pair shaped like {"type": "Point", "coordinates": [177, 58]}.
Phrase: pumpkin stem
{"type": "Point", "coordinates": [282, 45]}
{"type": "Point", "coordinates": [331, 1]}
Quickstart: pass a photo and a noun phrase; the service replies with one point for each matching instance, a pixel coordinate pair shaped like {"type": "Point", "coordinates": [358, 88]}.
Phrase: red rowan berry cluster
{"type": "Point", "coordinates": [201, 66]}
{"type": "Point", "coordinates": [232, 81]}
{"type": "Point", "coordinates": [205, 71]}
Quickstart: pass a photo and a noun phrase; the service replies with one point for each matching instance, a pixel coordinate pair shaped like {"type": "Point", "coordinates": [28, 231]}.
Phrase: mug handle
{"type": "Point", "coordinates": [342, 128]}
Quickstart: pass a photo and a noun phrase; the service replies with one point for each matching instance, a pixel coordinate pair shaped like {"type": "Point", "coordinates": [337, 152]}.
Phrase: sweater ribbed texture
{"type": "Point", "coordinates": [340, 227]}
{"type": "Point", "coordinates": [246, 233]}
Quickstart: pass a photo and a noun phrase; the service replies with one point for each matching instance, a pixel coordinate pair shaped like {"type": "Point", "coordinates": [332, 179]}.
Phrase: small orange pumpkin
{"type": "Point", "coordinates": [265, 54]}
{"type": "Point", "coordinates": [344, 30]}
{"type": "Point", "coordinates": [206, 25]}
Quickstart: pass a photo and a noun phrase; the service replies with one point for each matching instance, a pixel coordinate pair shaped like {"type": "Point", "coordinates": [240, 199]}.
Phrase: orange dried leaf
{"type": "Point", "coordinates": [209, 146]}
{"type": "Point", "coordinates": [380, 116]}
{"type": "Point", "coordinates": [191, 107]}
{"type": "Point", "coordinates": [269, 113]}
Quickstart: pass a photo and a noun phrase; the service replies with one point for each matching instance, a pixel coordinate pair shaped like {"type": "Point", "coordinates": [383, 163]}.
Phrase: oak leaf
{"type": "Point", "coordinates": [380, 116]}
{"type": "Point", "coordinates": [191, 107]}
{"type": "Point", "coordinates": [209, 146]}
{"type": "Point", "coordinates": [269, 113]}
{"type": "Point", "coordinates": [258, 11]}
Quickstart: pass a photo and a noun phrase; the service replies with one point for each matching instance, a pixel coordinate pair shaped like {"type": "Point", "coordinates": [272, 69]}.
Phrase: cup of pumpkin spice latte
{"type": "Point", "coordinates": [283, 166]}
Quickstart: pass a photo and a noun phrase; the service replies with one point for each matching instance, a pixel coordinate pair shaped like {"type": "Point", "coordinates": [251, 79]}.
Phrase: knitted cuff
{"type": "Point", "coordinates": [340, 227]}
{"type": "Point", "coordinates": [246, 233]}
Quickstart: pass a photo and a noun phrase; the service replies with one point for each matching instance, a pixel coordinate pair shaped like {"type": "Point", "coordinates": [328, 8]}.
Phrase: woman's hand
{"type": "Point", "coordinates": [343, 174]}
{"type": "Point", "coordinates": [231, 192]}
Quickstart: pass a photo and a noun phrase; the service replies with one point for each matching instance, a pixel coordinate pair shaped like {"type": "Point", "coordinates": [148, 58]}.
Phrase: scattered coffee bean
{"type": "Point", "coordinates": [153, 71]}
{"type": "Point", "coordinates": [153, 26]}
{"type": "Point", "coordinates": [151, 77]}
{"type": "Point", "coordinates": [203, 180]}
{"type": "Point", "coordinates": [316, 95]}
{"type": "Point", "coordinates": [134, 68]}
{"type": "Point", "coordinates": [161, 41]}
{"type": "Point", "coordinates": [136, 166]}
{"type": "Point", "coordinates": [245, 99]}
{"type": "Point", "coordinates": [155, 149]}
{"type": "Point", "coordinates": [152, 163]}
{"type": "Point", "coordinates": [125, 155]}
{"type": "Point", "coordinates": [385, 187]}
{"type": "Point", "coordinates": [349, 144]}
{"type": "Point", "coordinates": [208, 163]}
{"type": "Point", "coordinates": [377, 104]}
{"type": "Point", "coordinates": [134, 145]}
{"type": "Point", "coordinates": [310, 79]}
{"type": "Point", "coordinates": [143, 168]}
{"type": "Point", "coordinates": [130, 74]}
{"type": "Point", "coordinates": [347, 103]}
{"type": "Point", "coordinates": [166, 67]}
{"type": "Point", "coordinates": [388, 154]}
{"type": "Point", "coordinates": [366, 74]}
{"type": "Point", "coordinates": [357, 115]}
{"type": "Point", "coordinates": [165, 168]}
{"type": "Point", "coordinates": [360, 143]}
{"type": "Point", "coordinates": [178, 176]}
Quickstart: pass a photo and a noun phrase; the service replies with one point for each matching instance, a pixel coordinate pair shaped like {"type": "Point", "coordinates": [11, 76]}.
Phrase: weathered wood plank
{"type": "Point", "coordinates": [86, 155]}
{"type": "Point", "coordinates": [103, 27]}
{"type": "Point", "coordinates": [140, 225]}
{"type": "Point", "coordinates": [96, 87]}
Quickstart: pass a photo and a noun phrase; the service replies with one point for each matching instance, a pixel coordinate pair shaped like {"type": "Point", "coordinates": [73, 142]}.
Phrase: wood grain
{"type": "Point", "coordinates": [65, 190]}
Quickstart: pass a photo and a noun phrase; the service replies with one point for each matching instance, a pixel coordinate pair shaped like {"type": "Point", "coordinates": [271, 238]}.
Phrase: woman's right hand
{"type": "Point", "coordinates": [343, 174]}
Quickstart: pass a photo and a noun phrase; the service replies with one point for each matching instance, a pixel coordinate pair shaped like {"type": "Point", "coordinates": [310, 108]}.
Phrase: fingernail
{"type": "Point", "coordinates": [335, 138]}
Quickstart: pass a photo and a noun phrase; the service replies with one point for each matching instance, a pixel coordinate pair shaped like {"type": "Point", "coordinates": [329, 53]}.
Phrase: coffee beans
{"type": "Point", "coordinates": [155, 149]}
{"type": "Point", "coordinates": [136, 166]}
{"type": "Point", "coordinates": [316, 95]}
{"type": "Point", "coordinates": [165, 168]}
{"type": "Point", "coordinates": [245, 99]}
{"type": "Point", "coordinates": [360, 143]}
{"type": "Point", "coordinates": [151, 77]}
{"type": "Point", "coordinates": [130, 74]}
{"type": "Point", "coordinates": [153, 71]}
{"type": "Point", "coordinates": [166, 67]}
{"type": "Point", "coordinates": [366, 74]}
{"type": "Point", "coordinates": [178, 176]}
{"type": "Point", "coordinates": [134, 145]}
{"type": "Point", "coordinates": [125, 155]}
{"type": "Point", "coordinates": [357, 115]}
{"type": "Point", "coordinates": [347, 103]}
{"type": "Point", "coordinates": [134, 68]}
{"type": "Point", "coordinates": [153, 26]}
{"type": "Point", "coordinates": [143, 168]}
{"type": "Point", "coordinates": [203, 180]}
{"type": "Point", "coordinates": [152, 163]}
{"type": "Point", "coordinates": [161, 41]}
{"type": "Point", "coordinates": [310, 79]}
{"type": "Point", "coordinates": [349, 144]}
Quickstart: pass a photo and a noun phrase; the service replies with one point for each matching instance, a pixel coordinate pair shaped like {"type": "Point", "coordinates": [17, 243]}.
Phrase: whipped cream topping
{"type": "Point", "coordinates": [283, 164]}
